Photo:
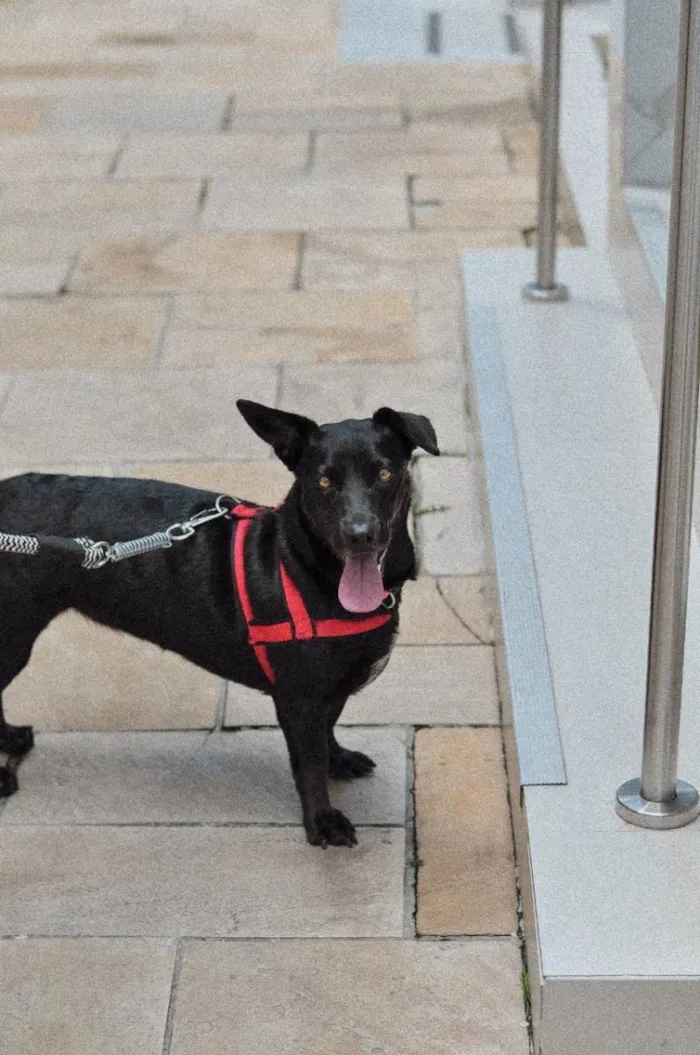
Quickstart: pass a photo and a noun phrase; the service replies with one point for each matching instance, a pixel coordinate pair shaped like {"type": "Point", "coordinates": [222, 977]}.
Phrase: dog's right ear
{"type": "Point", "coordinates": [287, 434]}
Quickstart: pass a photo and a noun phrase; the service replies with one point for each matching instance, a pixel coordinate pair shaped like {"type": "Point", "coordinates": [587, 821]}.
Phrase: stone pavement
{"type": "Point", "coordinates": [198, 203]}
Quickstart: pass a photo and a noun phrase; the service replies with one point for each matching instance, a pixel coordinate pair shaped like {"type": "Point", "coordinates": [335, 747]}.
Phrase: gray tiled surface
{"type": "Point", "coordinates": [313, 998]}
{"type": "Point", "coordinates": [178, 414]}
{"type": "Point", "coordinates": [198, 778]}
{"type": "Point", "coordinates": [88, 997]}
{"type": "Point", "coordinates": [435, 389]}
{"type": "Point", "coordinates": [224, 882]}
{"type": "Point", "coordinates": [422, 685]}
{"type": "Point", "coordinates": [452, 539]}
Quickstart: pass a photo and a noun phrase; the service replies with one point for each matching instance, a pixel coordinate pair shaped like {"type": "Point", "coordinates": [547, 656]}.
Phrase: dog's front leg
{"type": "Point", "coordinates": [305, 730]}
{"type": "Point", "coordinates": [344, 764]}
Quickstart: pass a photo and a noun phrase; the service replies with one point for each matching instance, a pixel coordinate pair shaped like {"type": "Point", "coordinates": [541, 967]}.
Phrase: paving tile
{"type": "Point", "coordinates": [27, 244]}
{"type": "Point", "coordinates": [85, 677]}
{"type": "Point", "coordinates": [21, 115]}
{"type": "Point", "coordinates": [479, 203]}
{"type": "Point", "coordinates": [420, 149]}
{"type": "Point", "coordinates": [29, 279]}
{"type": "Point", "coordinates": [312, 998]}
{"type": "Point", "coordinates": [100, 206]}
{"type": "Point", "coordinates": [85, 997]}
{"type": "Point", "coordinates": [470, 597]}
{"type": "Point", "coordinates": [466, 878]}
{"type": "Point", "coordinates": [128, 415]}
{"type": "Point", "coordinates": [255, 80]}
{"type": "Point", "coordinates": [306, 202]}
{"type": "Point", "coordinates": [44, 74]}
{"type": "Point", "coordinates": [291, 327]}
{"type": "Point", "coordinates": [263, 482]}
{"type": "Point", "coordinates": [320, 118]}
{"type": "Point", "coordinates": [298, 345]}
{"type": "Point", "coordinates": [42, 157]}
{"type": "Point", "coordinates": [196, 778]}
{"type": "Point", "coordinates": [424, 263]}
{"type": "Point", "coordinates": [440, 333]}
{"type": "Point", "coordinates": [435, 389]}
{"type": "Point", "coordinates": [428, 619]}
{"type": "Point", "coordinates": [188, 262]}
{"type": "Point", "coordinates": [422, 685]}
{"type": "Point", "coordinates": [79, 331]}
{"type": "Point", "coordinates": [168, 882]}
{"type": "Point", "coordinates": [451, 539]}
{"type": "Point", "coordinates": [144, 111]}
{"type": "Point", "coordinates": [474, 79]}
{"type": "Point", "coordinates": [187, 157]}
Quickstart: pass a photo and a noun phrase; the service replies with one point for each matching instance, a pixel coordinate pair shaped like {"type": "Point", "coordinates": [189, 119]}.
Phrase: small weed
{"type": "Point", "coordinates": [415, 861]}
{"type": "Point", "coordinates": [527, 995]}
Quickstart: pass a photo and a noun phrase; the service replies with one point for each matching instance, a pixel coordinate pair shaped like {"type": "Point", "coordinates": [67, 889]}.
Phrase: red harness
{"type": "Point", "coordinates": [300, 626]}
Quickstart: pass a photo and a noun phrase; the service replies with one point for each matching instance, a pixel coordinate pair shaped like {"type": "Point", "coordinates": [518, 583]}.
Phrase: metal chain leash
{"type": "Point", "coordinates": [98, 554]}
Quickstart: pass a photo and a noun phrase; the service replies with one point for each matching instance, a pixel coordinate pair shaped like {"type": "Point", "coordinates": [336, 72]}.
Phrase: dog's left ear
{"type": "Point", "coordinates": [414, 429]}
{"type": "Point", "coordinates": [287, 434]}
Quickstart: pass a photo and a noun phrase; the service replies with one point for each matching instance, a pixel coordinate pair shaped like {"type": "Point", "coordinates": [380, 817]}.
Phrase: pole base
{"type": "Point", "coordinates": [634, 809]}
{"type": "Point", "coordinates": [531, 291]}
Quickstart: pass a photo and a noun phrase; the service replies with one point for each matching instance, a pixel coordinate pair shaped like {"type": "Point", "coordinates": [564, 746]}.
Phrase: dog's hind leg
{"type": "Point", "coordinates": [16, 644]}
{"type": "Point", "coordinates": [344, 764]}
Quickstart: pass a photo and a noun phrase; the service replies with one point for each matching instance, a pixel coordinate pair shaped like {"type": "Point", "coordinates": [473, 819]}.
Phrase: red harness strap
{"type": "Point", "coordinates": [301, 626]}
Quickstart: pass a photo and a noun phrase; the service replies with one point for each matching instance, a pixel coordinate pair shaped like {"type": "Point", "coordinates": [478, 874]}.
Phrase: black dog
{"type": "Point", "coordinates": [279, 621]}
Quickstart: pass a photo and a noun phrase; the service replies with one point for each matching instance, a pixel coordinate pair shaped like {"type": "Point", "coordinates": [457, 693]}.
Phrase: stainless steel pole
{"type": "Point", "coordinates": [546, 287]}
{"type": "Point", "coordinates": [659, 800]}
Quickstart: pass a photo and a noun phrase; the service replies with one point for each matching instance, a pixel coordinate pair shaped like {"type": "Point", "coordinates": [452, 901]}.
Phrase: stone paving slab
{"type": "Point", "coordinates": [21, 116]}
{"type": "Point", "coordinates": [420, 149]}
{"type": "Point", "coordinates": [291, 327]}
{"type": "Point", "coordinates": [262, 482]}
{"type": "Point", "coordinates": [56, 158]}
{"type": "Point", "coordinates": [101, 206]}
{"type": "Point", "coordinates": [167, 111]}
{"type": "Point", "coordinates": [32, 279]}
{"type": "Point", "coordinates": [188, 261]}
{"type": "Point", "coordinates": [196, 778]}
{"type": "Point", "coordinates": [435, 389]}
{"type": "Point", "coordinates": [429, 618]}
{"type": "Point", "coordinates": [85, 677]}
{"type": "Point", "coordinates": [317, 118]}
{"type": "Point", "coordinates": [422, 685]}
{"type": "Point", "coordinates": [43, 333]}
{"type": "Point", "coordinates": [466, 876]}
{"type": "Point", "coordinates": [86, 997]}
{"type": "Point", "coordinates": [188, 157]}
{"type": "Point", "coordinates": [178, 414]}
{"type": "Point", "coordinates": [306, 202]}
{"type": "Point", "coordinates": [198, 881]}
{"type": "Point", "coordinates": [312, 998]}
{"type": "Point", "coordinates": [450, 527]}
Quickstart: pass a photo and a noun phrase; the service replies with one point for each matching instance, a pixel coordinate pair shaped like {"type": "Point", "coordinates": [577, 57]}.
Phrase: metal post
{"type": "Point", "coordinates": [545, 287]}
{"type": "Point", "coordinates": [658, 800]}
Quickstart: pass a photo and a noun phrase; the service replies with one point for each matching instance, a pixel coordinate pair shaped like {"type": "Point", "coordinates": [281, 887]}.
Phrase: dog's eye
{"type": "Point", "coordinates": [385, 475]}
{"type": "Point", "coordinates": [324, 483]}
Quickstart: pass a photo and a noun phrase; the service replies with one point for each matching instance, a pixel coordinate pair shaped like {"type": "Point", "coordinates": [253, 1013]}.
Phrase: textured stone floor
{"type": "Point", "coordinates": [199, 203]}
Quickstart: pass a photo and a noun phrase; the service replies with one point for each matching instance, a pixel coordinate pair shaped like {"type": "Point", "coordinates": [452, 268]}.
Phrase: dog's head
{"type": "Point", "coordinates": [353, 484]}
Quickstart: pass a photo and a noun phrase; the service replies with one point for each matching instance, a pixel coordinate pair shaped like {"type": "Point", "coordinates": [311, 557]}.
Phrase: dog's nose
{"type": "Point", "coordinates": [360, 533]}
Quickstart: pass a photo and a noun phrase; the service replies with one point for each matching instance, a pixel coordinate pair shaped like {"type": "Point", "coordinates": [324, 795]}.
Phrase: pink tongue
{"type": "Point", "coordinates": [361, 588]}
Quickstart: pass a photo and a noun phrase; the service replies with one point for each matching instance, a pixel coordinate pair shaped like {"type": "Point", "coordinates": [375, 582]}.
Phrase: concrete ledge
{"type": "Point", "coordinates": [614, 938]}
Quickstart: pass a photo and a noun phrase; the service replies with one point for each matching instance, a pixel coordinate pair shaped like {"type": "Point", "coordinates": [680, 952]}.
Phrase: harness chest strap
{"type": "Point", "coordinates": [300, 626]}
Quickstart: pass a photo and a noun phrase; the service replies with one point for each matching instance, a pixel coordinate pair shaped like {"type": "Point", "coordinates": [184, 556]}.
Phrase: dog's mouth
{"type": "Point", "coordinates": [361, 586]}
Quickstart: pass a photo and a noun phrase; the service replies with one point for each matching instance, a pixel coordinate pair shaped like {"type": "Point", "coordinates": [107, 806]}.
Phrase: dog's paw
{"type": "Point", "coordinates": [8, 782]}
{"type": "Point", "coordinates": [330, 828]}
{"type": "Point", "coordinates": [344, 764]}
{"type": "Point", "coordinates": [16, 740]}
